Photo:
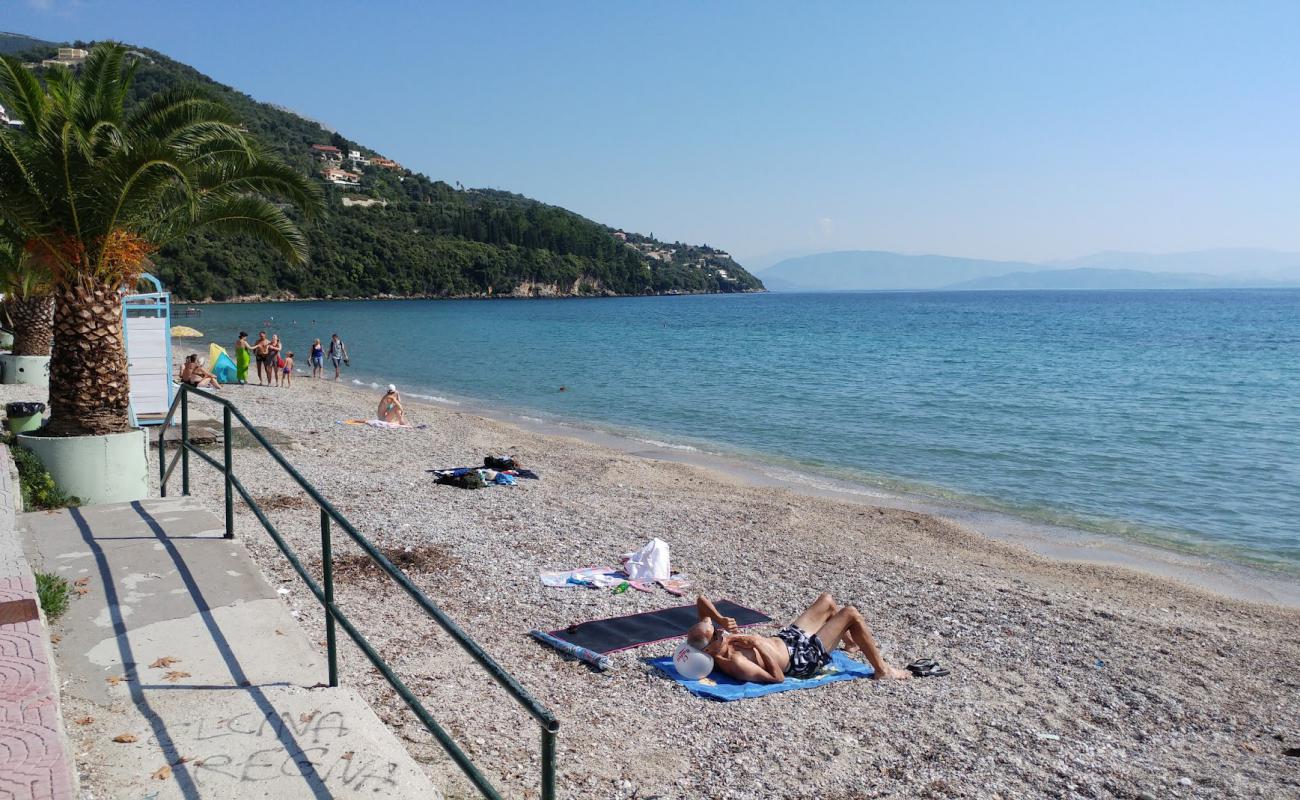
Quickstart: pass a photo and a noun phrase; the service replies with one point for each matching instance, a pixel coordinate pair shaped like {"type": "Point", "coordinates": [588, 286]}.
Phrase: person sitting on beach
{"type": "Point", "coordinates": [195, 375]}
{"type": "Point", "coordinates": [390, 407]}
{"type": "Point", "coordinates": [799, 650]}
{"type": "Point", "coordinates": [288, 369]}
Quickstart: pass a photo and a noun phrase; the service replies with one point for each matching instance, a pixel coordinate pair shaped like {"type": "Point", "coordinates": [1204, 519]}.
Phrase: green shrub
{"type": "Point", "coordinates": [38, 488]}
{"type": "Point", "coordinates": [54, 593]}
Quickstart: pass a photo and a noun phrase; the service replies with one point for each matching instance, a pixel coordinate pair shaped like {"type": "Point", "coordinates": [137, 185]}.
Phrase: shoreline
{"type": "Point", "coordinates": [1214, 573]}
{"type": "Point", "coordinates": [249, 299]}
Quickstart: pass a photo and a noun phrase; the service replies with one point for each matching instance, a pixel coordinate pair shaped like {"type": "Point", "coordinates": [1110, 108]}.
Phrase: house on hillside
{"type": "Point", "coordinates": [357, 159]}
{"type": "Point", "coordinates": [340, 177]}
{"type": "Point", "coordinates": [328, 153]}
{"type": "Point", "coordinates": [386, 163]}
{"type": "Point", "coordinates": [622, 237]}
{"type": "Point", "coordinates": [67, 57]}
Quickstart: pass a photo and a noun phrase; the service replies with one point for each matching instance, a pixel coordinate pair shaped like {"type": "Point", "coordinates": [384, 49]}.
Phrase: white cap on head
{"type": "Point", "coordinates": [392, 388]}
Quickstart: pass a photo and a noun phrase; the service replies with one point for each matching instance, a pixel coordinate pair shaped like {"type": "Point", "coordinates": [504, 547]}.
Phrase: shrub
{"type": "Point", "coordinates": [38, 488]}
{"type": "Point", "coordinates": [54, 593]}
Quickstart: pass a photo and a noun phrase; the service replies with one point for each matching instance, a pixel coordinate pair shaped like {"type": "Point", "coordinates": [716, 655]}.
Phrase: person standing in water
{"type": "Point", "coordinates": [338, 354]}
{"type": "Point", "coordinates": [243, 354]}
{"type": "Point", "coordinates": [317, 359]}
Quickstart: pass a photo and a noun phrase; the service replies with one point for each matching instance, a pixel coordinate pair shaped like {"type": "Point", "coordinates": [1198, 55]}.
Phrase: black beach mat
{"type": "Point", "coordinates": [623, 633]}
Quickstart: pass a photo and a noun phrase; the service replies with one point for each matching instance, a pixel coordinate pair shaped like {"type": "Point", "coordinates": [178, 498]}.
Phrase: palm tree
{"type": "Point", "coordinates": [28, 304]}
{"type": "Point", "coordinates": [94, 189]}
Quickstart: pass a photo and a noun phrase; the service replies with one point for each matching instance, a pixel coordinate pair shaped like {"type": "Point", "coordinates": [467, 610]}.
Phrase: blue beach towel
{"type": "Point", "coordinates": [724, 688]}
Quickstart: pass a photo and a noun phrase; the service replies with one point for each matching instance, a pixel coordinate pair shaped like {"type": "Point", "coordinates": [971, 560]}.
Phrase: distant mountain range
{"type": "Point", "coordinates": [864, 270]}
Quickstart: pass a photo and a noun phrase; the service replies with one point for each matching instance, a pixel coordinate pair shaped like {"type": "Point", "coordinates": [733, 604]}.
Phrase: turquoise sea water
{"type": "Point", "coordinates": [1163, 416]}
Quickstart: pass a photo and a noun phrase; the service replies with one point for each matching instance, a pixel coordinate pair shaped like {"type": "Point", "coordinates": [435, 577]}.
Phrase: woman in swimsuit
{"type": "Point", "coordinates": [317, 359]}
{"type": "Point", "coordinates": [197, 376]}
{"type": "Point", "coordinates": [390, 407]}
{"type": "Point", "coordinates": [273, 361]}
{"type": "Point", "coordinates": [243, 354]}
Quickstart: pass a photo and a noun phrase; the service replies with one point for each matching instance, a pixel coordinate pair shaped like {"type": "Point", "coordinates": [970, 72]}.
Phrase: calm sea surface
{"type": "Point", "coordinates": [1170, 417]}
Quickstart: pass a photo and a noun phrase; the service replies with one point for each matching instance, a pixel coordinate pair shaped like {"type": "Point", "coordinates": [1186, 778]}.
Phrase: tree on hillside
{"type": "Point", "coordinates": [93, 190]}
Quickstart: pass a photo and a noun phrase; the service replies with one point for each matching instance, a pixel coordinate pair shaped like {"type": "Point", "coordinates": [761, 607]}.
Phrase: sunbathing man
{"type": "Point", "coordinates": [799, 650]}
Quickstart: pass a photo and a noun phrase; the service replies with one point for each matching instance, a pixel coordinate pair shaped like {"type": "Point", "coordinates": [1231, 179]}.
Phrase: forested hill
{"type": "Point", "coordinates": [390, 232]}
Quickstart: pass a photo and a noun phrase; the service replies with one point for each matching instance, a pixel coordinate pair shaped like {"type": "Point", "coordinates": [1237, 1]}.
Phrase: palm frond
{"type": "Point", "coordinates": [254, 216]}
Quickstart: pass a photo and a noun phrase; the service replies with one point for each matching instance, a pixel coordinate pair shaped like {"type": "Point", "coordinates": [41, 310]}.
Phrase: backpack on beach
{"type": "Point", "coordinates": [501, 464]}
{"type": "Point", "coordinates": [463, 479]}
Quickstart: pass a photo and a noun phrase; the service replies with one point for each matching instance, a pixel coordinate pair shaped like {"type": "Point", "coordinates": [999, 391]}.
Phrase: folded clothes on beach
{"type": "Point", "coordinates": [718, 686]}
{"type": "Point", "coordinates": [623, 633]}
{"type": "Point", "coordinates": [587, 576]}
{"type": "Point", "coordinates": [378, 423]}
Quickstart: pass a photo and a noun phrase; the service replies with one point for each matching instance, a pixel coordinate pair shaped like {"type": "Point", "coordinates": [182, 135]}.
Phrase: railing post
{"type": "Point", "coordinates": [185, 442]}
{"type": "Point", "coordinates": [327, 563]}
{"type": "Point", "coordinates": [230, 470]}
{"type": "Point", "coordinates": [162, 461]}
{"type": "Point", "coordinates": [548, 764]}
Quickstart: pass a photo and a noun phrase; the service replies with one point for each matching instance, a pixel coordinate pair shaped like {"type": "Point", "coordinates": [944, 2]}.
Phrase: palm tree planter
{"type": "Point", "coordinates": [93, 190]}
{"type": "Point", "coordinates": [29, 307]}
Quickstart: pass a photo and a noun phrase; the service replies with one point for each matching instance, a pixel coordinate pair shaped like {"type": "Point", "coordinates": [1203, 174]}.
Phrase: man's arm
{"type": "Point", "coordinates": [745, 641]}
{"type": "Point", "coordinates": [706, 610]}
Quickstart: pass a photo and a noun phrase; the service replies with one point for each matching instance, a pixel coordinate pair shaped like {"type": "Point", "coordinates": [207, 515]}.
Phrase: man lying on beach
{"type": "Point", "coordinates": [799, 650]}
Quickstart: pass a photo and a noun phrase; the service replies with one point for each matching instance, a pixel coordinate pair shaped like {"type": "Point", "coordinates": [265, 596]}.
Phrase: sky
{"type": "Point", "coordinates": [1025, 131]}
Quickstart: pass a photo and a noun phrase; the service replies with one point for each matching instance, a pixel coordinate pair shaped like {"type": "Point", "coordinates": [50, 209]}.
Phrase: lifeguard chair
{"type": "Point", "coordinates": [146, 327]}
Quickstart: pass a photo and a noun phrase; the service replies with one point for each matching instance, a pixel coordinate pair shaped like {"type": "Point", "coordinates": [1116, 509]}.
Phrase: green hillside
{"type": "Point", "coordinates": [419, 237]}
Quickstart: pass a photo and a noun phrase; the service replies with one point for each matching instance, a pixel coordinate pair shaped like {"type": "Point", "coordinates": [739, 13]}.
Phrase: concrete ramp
{"type": "Point", "coordinates": [180, 648]}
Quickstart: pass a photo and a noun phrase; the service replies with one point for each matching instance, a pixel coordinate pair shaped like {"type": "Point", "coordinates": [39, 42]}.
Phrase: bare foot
{"type": "Point", "coordinates": [892, 673]}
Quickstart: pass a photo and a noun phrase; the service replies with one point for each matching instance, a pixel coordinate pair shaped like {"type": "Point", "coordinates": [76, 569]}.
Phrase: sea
{"type": "Point", "coordinates": [1170, 418]}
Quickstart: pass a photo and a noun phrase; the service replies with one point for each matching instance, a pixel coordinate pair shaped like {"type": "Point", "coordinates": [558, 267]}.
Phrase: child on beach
{"type": "Point", "coordinates": [288, 369]}
{"type": "Point", "coordinates": [799, 650]}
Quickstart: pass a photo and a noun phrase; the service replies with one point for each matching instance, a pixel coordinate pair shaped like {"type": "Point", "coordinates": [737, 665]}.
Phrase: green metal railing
{"type": "Point", "coordinates": [328, 514]}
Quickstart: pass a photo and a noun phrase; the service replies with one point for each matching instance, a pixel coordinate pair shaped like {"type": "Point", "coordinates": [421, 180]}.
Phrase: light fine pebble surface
{"type": "Point", "coordinates": [1068, 680]}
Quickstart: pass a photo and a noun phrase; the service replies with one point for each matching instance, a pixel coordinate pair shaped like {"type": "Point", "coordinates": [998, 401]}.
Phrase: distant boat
{"type": "Point", "coordinates": [188, 312]}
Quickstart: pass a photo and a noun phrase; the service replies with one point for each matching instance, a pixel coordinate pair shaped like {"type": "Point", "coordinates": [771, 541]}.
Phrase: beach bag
{"type": "Point", "coordinates": [469, 479]}
{"type": "Point", "coordinates": [500, 464]}
{"type": "Point", "coordinates": [279, 362]}
{"type": "Point", "coordinates": [650, 563]}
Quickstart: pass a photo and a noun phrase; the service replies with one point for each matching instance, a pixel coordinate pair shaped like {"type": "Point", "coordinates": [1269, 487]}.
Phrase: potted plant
{"type": "Point", "coordinates": [28, 309]}
{"type": "Point", "coordinates": [93, 188]}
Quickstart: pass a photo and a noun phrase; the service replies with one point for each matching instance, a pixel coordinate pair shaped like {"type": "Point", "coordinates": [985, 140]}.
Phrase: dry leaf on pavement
{"type": "Point", "coordinates": [85, 720]}
{"type": "Point", "coordinates": [164, 662]}
{"type": "Point", "coordinates": [164, 772]}
{"type": "Point", "coordinates": [175, 675]}
{"type": "Point", "coordinates": [125, 738]}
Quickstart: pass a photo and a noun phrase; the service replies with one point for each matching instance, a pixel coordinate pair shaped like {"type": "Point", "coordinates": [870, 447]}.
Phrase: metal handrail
{"type": "Point", "coordinates": [328, 513]}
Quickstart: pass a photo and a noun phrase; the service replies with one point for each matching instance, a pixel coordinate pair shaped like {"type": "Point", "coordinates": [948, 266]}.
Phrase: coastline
{"type": "Point", "coordinates": [254, 298]}
{"type": "Point", "coordinates": [1216, 573]}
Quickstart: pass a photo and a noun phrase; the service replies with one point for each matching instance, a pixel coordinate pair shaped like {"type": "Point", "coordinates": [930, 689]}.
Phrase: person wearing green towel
{"type": "Point", "coordinates": [243, 356]}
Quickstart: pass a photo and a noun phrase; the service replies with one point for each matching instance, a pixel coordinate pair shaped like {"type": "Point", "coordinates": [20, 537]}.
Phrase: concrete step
{"type": "Point", "coordinates": [241, 711]}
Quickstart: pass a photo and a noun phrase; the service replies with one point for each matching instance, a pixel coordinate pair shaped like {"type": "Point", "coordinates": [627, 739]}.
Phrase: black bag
{"type": "Point", "coordinates": [500, 464]}
{"type": "Point", "coordinates": [21, 409]}
{"type": "Point", "coordinates": [468, 480]}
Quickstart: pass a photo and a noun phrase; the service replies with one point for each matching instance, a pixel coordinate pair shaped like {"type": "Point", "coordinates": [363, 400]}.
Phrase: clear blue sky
{"type": "Point", "coordinates": [1002, 130]}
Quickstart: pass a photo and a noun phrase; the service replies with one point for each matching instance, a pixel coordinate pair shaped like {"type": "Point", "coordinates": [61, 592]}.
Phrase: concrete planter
{"type": "Point", "coordinates": [31, 370]}
{"type": "Point", "coordinates": [97, 469]}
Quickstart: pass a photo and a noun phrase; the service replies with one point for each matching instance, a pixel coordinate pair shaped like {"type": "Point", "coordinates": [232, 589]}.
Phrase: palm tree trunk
{"type": "Point", "coordinates": [33, 320]}
{"type": "Point", "coordinates": [89, 385]}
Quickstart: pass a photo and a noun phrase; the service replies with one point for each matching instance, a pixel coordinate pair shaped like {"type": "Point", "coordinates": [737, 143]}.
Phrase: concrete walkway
{"type": "Point", "coordinates": [178, 643]}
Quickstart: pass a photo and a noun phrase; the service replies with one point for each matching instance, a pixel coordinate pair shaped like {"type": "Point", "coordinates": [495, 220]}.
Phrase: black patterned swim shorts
{"type": "Point", "coordinates": [807, 653]}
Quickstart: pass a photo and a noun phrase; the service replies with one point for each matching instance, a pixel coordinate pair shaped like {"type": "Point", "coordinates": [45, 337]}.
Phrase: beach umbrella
{"type": "Point", "coordinates": [185, 331]}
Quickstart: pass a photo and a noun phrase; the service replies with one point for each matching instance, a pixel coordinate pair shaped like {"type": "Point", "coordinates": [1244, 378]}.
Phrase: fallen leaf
{"type": "Point", "coordinates": [175, 675]}
{"type": "Point", "coordinates": [85, 720]}
{"type": "Point", "coordinates": [181, 760]}
{"type": "Point", "coordinates": [163, 773]}
{"type": "Point", "coordinates": [55, 638]}
{"type": "Point", "coordinates": [307, 717]}
{"type": "Point", "coordinates": [347, 756]}
{"type": "Point", "coordinates": [81, 591]}
{"type": "Point", "coordinates": [164, 662]}
{"type": "Point", "coordinates": [198, 763]}
{"type": "Point", "coordinates": [81, 581]}
{"type": "Point", "coordinates": [113, 680]}
{"type": "Point", "coordinates": [124, 738]}
{"type": "Point", "coordinates": [279, 632]}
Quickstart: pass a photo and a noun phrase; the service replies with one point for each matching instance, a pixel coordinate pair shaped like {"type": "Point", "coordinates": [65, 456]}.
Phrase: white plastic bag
{"type": "Point", "coordinates": [650, 563]}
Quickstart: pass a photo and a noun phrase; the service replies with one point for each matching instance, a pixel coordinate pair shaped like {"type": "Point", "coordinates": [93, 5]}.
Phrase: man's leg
{"type": "Point", "coordinates": [815, 616]}
{"type": "Point", "coordinates": [848, 624]}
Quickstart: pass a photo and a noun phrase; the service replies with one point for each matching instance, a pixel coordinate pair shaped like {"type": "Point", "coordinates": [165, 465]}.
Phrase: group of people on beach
{"type": "Point", "coordinates": [275, 365]}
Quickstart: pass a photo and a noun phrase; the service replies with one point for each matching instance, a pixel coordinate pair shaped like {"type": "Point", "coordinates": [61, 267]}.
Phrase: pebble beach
{"type": "Point", "coordinates": [1068, 680]}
